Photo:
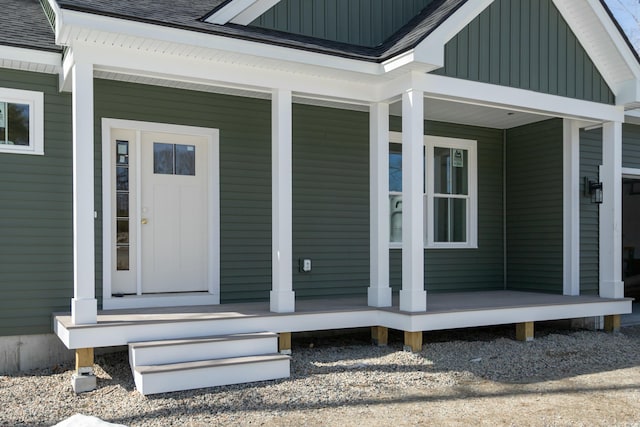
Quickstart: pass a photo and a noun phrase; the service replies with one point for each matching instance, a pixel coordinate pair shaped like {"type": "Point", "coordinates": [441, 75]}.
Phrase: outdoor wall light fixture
{"type": "Point", "coordinates": [593, 189]}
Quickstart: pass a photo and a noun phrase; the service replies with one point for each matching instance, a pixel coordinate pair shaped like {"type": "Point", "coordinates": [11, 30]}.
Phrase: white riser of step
{"type": "Point", "coordinates": [205, 348]}
{"type": "Point", "coordinates": [211, 373]}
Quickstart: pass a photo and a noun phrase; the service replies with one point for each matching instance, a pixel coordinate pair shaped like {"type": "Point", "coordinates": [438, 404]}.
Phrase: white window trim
{"type": "Point", "coordinates": [35, 100]}
{"type": "Point", "coordinates": [430, 142]}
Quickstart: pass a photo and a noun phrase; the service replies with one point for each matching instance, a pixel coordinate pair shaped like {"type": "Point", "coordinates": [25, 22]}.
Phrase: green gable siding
{"type": "Point", "coordinates": [359, 22]}
{"type": "Point", "coordinates": [631, 146]}
{"type": "Point", "coordinates": [534, 207]}
{"type": "Point", "coordinates": [525, 44]}
{"type": "Point", "coordinates": [467, 269]}
{"type": "Point", "coordinates": [36, 253]}
{"type": "Point", "coordinates": [590, 160]}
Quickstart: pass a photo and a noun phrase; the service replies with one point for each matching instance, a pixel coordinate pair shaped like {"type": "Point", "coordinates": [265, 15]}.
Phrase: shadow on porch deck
{"type": "Point", "coordinates": [444, 311]}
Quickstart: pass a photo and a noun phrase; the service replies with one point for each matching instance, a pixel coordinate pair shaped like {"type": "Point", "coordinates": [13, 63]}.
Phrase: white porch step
{"type": "Point", "coordinates": [185, 364]}
{"type": "Point", "coordinates": [210, 373]}
{"type": "Point", "coordinates": [203, 348]}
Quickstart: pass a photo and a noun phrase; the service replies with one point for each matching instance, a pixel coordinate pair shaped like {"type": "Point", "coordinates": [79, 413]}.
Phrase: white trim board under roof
{"type": "Point", "coordinates": [241, 12]}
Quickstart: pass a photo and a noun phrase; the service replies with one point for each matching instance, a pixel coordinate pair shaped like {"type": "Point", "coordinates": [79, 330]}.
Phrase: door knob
{"type": "Point", "coordinates": [144, 220]}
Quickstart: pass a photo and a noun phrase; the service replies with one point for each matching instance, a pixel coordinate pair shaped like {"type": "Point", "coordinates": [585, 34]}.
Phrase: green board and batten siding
{"type": "Point", "coordinates": [631, 146]}
{"type": "Point", "coordinates": [453, 270]}
{"type": "Point", "coordinates": [359, 22]}
{"type": "Point", "coordinates": [534, 207]}
{"type": "Point", "coordinates": [525, 44]}
{"type": "Point", "coordinates": [36, 253]}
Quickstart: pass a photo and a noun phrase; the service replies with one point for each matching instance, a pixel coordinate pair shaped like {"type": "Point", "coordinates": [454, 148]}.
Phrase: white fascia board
{"type": "Point", "coordinates": [621, 54]}
{"type": "Point", "coordinates": [431, 49]}
{"type": "Point", "coordinates": [50, 60]}
{"type": "Point", "coordinates": [73, 22]}
{"type": "Point", "coordinates": [132, 62]}
{"type": "Point", "coordinates": [508, 98]}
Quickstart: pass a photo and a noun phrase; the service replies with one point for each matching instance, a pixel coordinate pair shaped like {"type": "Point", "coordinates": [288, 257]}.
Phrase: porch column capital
{"type": "Point", "coordinates": [83, 304]}
{"type": "Point", "coordinates": [611, 284]}
{"type": "Point", "coordinates": [413, 296]}
{"type": "Point", "coordinates": [282, 297]}
{"type": "Point", "coordinates": [379, 292]}
{"type": "Point", "coordinates": [571, 207]}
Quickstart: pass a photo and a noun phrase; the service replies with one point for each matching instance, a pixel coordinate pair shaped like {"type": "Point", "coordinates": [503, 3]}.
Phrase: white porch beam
{"type": "Point", "coordinates": [611, 284]}
{"type": "Point", "coordinates": [282, 297]}
{"type": "Point", "coordinates": [379, 292]}
{"type": "Point", "coordinates": [413, 297]}
{"type": "Point", "coordinates": [571, 209]}
{"type": "Point", "coordinates": [84, 304]}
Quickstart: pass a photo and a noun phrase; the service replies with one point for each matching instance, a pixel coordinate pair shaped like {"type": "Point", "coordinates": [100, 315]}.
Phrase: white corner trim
{"type": "Point", "coordinates": [571, 207]}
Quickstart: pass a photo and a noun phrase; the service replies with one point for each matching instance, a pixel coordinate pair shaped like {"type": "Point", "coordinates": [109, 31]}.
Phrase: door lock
{"type": "Point", "coordinates": [144, 220]}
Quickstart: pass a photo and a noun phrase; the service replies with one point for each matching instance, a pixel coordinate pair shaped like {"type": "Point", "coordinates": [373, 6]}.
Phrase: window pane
{"type": "Point", "coordinates": [395, 209]}
{"type": "Point", "coordinates": [450, 220]}
{"type": "Point", "coordinates": [122, 258]}
{"type": "Point", "coordinates": [122, 205]}
{"type": "Point", "coordinates": [395, 167]}
{"type": "Point", "coordinates": [18, 124]}
{"type": "Point", "coordinates": [123, 231]}
{"type": "Point", "coordinates": [450, 169]}
{"type": "Point", "coordinates": [185, 160]}
{"type": "Point", "coordinates": [122, 178]}
{"type": "Point", "coordinates": [122, 152]}
{"type": "Point", "coordinates": [163, 158]}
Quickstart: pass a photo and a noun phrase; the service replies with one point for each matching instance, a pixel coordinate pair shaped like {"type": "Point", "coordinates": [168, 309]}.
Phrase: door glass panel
{"type": "Point", "coordinates": [163, 158]}
{"type": "Point", "coordinates": [122, 205]}
{"type": "Point", "coordinates": [450, 219]}
{"type": "Point", "coordinates": [451, 169]}
{"type": "Point", "coordinates": [123, 231]}
{"type": "Point", "coordinates": [122, 178]}
{"type": "Point", "coordinates": [122, 258]}
{"type": "Point", "coordinates": [185, 159]}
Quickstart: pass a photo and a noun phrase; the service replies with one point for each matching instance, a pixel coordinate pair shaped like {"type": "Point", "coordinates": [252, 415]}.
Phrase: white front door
{"type": "Point", "coordinates": [174, 213]}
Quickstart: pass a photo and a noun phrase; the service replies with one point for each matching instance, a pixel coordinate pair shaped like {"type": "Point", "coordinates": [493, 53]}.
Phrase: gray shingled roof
{"type": "Point", "coordinates": [189, 14]}
{"type": "Point", "coordinates": [25, 25]}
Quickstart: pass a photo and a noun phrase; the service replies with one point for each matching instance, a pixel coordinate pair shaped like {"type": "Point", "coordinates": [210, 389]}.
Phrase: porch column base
{"type": "Point", "coordinates": [612, 323]}
{"type": "Point", "coordinates": [413, 300]}
{"type": "Point", "coordinates": [413, 341]}
{"type": "Point", "coordinates": [379, 296]}
{"type": "Point", "coordinates": [84, 311]}
{"type": "Point", "coordinates": [282, 301]}
{"type": "Point", "coordinates": [284, 343]}
{"type": "Point", "coordinates": [524, 331]}
{"type": "Point", "coordinates": [379, 335]}
{"type": "Point", "coordinates": [84, 380]}
{"type": "Point", "coordinates": [612, 289]}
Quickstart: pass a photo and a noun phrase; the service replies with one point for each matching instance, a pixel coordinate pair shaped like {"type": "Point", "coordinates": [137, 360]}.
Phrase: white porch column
{"type": "Point", "coordinates": [611, 284]}
{"type": "Point", "coordinates": [282, 298]}
{"type": "Point", "coordinates": [571, 208]}
{"type": "Point", "coordinates": [379, 293]}
{"type": "Point", "coordinates": [413, 297]}
{"type": "Point", "coordinates": [84, 304]}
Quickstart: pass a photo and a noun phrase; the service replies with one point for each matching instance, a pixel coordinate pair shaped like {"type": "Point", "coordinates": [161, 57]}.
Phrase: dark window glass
{"type": "Point", "coordinates": [163, 158]}
{"type": "Point", "coordinates": [14, 124]}
{"type": "Point", "coordinates": [122, 152]}
{"type": "Point", "coordinates": [185, 160]}
{"type": "Point", "coordinates": [122, 205]}
{"type": "Point", "coordinates": [122, 178]}
{"type": "Point", "coordinates": [395, 167]}
{"type": "Point", "coordinates": [122, 258]}
{"type": "Point", "coordinates": [123, 231]}
{"type": "Point", "coordinates": [450, 220]}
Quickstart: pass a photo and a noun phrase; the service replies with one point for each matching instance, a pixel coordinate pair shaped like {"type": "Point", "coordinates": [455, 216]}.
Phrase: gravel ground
{"type": "Point", "coordinates": [475, 376]}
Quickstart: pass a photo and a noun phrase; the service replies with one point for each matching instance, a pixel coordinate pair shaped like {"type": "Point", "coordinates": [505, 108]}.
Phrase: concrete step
{"type": "Point", "coordinates": [210, 373]}
{"type": "Point", "coordinates": [202, 348]}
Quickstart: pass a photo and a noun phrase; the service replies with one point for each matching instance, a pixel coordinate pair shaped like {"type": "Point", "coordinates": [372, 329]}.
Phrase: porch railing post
{"type": "Point", "coordinates": [282, 297]}
{"type": "Point", "coordinates": [611, 284]}
{"type": "Point", "coordinates": [413, 296]}
{"type": "Point", "coordinates": [84, 303]}
{"type": "Point", "coordinates": [379, 293]}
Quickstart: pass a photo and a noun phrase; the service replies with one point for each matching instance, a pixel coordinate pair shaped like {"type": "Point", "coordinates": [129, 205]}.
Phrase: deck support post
{"type": "Point", "coordinates": [413, 297]}
{"type": "Point", "coordinates": [282, 297]}
{"type": "Point", "coordinates": [524, 331]}
{"type": "Point", "coordinates": [611, 285]}
{"type": "Point", "coordinates": [284, 343]}
{"type": "Point", "coordinates": [571, 210]}
{"type": "Point", "coordinates": [84, 306]}
{"type": "Point", "coordinates": [612, 323]}
{"type": "Point", "coordinates": [379, 335]}
{"type": "Point", "coordinates": [83, 379]}
{"type": "Point", "coordinates": [379, 292]}
{"type": "Point", "coordinates": [413, 341]}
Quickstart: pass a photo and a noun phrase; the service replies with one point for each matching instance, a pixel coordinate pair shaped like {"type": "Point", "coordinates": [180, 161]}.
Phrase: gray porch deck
{"type": "Point", "coordinates": [444, 311]}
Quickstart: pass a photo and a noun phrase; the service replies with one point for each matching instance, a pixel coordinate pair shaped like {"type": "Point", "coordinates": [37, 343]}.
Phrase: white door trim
{"type": "Point", "coordinates": [139, 300]}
